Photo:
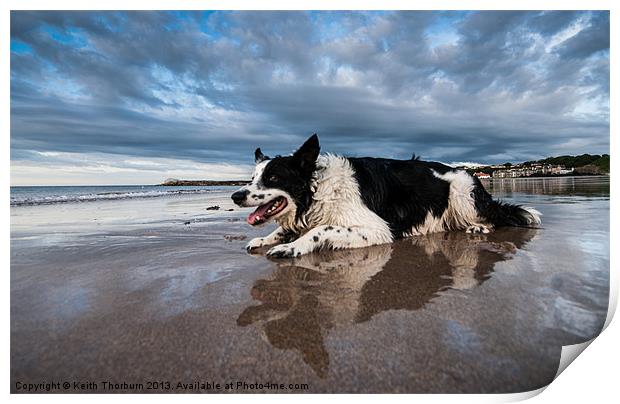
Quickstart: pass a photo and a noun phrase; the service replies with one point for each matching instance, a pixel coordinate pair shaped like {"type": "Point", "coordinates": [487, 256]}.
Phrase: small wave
{"type": "Point", "coordinates": [103, 196]}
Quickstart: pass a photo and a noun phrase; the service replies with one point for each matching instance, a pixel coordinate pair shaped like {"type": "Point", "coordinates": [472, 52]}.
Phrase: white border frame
{"type": "Point", "coordinates": [593, 377]}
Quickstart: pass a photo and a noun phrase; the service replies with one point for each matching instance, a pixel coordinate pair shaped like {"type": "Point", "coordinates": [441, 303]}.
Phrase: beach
{"type": "Point", "coordinates": [157, 294]}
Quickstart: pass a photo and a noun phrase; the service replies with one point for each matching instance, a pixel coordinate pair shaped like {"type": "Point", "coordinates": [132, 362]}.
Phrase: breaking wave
{"type": "Point", "coordinates": [28, 199]}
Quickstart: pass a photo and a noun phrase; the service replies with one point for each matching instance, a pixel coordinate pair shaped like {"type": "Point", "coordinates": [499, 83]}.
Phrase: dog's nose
{"type": "Point", "coordinates": [239, 196]}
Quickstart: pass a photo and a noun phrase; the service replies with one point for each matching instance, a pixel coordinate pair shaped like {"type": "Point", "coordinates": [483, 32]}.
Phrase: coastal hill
{"type": "Point", "coordinates": [173, 182]}
{"type": "Point", "coordinates": [584, 164]}
{"type": "Point", "coordinates": [583, 160]}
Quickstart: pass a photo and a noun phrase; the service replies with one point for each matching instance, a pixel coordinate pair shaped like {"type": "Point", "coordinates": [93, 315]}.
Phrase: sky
{"type": "Point", "coordinates": [138, 97]}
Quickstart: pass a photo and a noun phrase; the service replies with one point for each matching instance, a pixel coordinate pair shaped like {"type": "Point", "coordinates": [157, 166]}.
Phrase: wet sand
{"type": "Point", "coordinates": [144, 297]}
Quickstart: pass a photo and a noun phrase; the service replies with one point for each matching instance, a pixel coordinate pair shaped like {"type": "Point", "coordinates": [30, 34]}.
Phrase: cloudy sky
{"type": "Point", "coordinates": [136, 97]}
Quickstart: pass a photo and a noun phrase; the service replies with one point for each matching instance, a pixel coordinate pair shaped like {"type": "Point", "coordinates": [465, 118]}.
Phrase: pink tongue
{"type": "Point", "coordinates": [259, 212]}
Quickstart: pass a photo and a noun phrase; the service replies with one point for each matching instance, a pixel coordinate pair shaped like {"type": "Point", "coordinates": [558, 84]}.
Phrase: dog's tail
{"type": "Point", "coordinates": [506, 214]}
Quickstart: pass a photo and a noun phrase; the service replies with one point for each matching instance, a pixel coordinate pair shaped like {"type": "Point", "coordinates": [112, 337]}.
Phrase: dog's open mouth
{"type": "Point", "coordinates": [266, 211]}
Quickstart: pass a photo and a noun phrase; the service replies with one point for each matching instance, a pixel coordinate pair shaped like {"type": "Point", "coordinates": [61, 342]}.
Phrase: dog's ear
{"type": "Point", "coordinates": [306, 155]}
{"type": "Point", "coordinates": [259, 156]}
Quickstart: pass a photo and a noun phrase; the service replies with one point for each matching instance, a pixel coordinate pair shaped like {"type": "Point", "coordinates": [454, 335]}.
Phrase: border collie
{"type": "Point", "coordinates": [336, 202]}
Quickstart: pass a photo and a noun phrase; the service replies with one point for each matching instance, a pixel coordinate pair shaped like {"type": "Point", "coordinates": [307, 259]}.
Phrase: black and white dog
{"type": "Point", "coordinates": [331, 201]}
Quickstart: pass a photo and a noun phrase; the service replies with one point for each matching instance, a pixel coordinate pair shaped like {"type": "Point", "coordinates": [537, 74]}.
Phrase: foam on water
{"type": "Point", "coordinates": [29, 196]}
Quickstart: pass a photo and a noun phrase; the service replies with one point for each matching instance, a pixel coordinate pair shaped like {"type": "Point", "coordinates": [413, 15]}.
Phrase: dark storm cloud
{"type": "Point", "coordinates": [551, 22]}
{"type": "Point", "coordinates": [486, 86]}
{"type": "Point", "coordinates": [590, 40]}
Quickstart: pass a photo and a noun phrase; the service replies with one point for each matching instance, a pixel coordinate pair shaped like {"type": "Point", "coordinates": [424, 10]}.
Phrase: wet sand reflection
{"type": "Point", "coordinates": [307, 296]}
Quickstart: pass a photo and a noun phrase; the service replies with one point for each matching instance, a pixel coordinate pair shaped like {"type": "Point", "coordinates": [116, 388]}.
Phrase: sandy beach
{"type": "Point", "coordinates": [159, 295]}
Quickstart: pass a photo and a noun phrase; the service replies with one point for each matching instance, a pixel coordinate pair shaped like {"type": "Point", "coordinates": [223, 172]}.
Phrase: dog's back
{"type": "Point", "coordinates": [419, 197]}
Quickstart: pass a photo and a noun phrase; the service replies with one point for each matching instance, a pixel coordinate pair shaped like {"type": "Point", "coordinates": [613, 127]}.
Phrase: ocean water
{"type": "Point", "coordinates": [45, 195]}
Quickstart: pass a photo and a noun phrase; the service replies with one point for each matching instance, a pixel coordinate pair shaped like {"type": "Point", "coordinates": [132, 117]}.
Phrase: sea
{"type": "Point", "coordinates": [47, 195]}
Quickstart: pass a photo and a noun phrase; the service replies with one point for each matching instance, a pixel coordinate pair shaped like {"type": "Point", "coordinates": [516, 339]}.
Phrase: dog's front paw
{"type": "Point", "coordinates": [255, 243]}
{"type": "Point", "coordinates": [283, 251]}
{"type": "Point", "coordinates": [478, 228]}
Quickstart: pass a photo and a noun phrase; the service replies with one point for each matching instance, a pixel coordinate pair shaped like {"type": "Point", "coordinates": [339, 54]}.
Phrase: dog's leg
{"type": "Point", "coordinates": [332, 237]}
{"type": "Point", "coordinates": [278, 236]}
{"type": "Point", "coordinates": [479, 228]}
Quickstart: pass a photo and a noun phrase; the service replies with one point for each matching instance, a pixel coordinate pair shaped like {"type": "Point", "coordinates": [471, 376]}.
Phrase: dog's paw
{"type": "Point", "coordinates": [283, 251]}
{"type": "Point", "coordinates": [255, 243]}
{"type": "Point", "coordinates": [478, 228]}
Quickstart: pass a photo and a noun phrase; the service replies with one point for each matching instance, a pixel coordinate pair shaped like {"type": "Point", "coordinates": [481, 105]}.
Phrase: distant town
{"type": "Point", "coordinates": [585, 164]}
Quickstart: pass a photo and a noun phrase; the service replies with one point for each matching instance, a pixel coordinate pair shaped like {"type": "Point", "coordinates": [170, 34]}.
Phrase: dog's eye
{"type": "Point", "coordinates": [273, 178]}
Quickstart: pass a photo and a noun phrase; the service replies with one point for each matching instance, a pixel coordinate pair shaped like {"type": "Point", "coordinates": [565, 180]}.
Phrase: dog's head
{"type": "Point", "coordinates": [280, 186]}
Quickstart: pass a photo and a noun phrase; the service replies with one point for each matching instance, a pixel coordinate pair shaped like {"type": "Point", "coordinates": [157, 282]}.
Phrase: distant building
{"type": "Point", "coordinates": [528, 171]}
{"type": "Point", "coordinates": [482, 175]}
{"type": "Point", "coordinates": [511, 173]}
{"type": "Point", "coordinates": [549, 169]}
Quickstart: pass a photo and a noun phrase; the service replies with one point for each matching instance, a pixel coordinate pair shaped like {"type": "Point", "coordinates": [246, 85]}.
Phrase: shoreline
{"type": "Point", "coordinates": [36, 196]}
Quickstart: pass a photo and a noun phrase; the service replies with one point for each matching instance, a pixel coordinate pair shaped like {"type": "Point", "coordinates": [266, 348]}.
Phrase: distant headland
{"type": "Point", "coordinates": [173, 182]}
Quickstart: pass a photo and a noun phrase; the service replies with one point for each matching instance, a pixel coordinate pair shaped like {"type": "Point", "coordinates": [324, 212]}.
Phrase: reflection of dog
{"type": "Point", "coordinates": [333, 202]}
{"type": "Point", "coordinates": [308, 295]}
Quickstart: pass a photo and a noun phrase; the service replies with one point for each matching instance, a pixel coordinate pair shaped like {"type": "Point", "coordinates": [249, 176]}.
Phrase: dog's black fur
{"type": "Point", "coordinates": [401, 192]}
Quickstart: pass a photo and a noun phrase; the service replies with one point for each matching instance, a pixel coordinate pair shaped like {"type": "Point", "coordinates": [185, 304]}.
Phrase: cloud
{"type": "Point", "coordinates": [209, 87]}
{"type": "Point", "coordinates": [588, 41]}
{"type": "Point", "coordinates": [81, 168]}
